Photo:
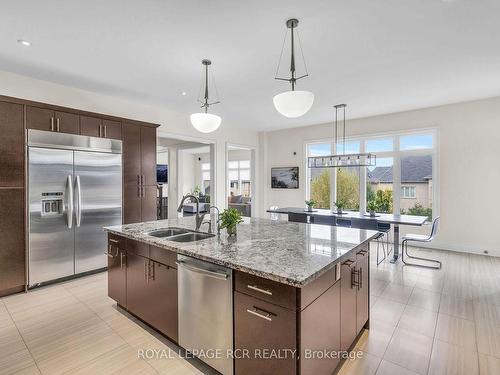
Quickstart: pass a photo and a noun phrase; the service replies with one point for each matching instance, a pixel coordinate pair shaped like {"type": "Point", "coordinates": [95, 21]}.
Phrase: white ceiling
{"type": "Point", "coordinates": [378, 56]}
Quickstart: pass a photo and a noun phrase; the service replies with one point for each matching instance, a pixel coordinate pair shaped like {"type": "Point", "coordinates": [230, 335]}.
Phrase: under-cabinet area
{"type": "Point", "coordinates": [257, 324]}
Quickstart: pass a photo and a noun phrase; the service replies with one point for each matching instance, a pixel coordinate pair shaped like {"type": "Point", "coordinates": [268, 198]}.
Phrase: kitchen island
{"type": "Point", "coordinates": [298, 293]}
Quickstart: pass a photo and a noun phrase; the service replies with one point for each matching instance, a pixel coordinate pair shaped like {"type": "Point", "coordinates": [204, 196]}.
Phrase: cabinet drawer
{"type": "Point", "coordinates": [139, 248]}
{"type": "Point", "coordinates": [362, 253]}
{"type": "Point", "coordinates": [267, 290]}
{"type": "Point", "coordinates": [116, 241]}
{"type": "Point", "coordinates": [163, 256]}
{"type": "Point", "coordinates": [262, 326]}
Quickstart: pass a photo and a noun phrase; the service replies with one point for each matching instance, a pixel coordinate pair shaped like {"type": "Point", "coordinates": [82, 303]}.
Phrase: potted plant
{"type": "Point", "coordinates": [340, 204]}
{"type": "Point", "coordinates": [310, 204]}
{"type": "Point", "coordinates": [372, 208]}
{"type": "Point", "coordinates": [229, 219]}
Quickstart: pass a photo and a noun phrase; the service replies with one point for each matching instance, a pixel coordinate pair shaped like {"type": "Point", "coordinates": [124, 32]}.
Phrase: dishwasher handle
{"type": "Point", "coordinates": [202, 271]}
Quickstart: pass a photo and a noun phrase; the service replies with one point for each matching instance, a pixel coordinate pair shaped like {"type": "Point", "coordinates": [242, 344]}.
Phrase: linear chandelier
{"type": "Point", "coordinates": [341, 159]}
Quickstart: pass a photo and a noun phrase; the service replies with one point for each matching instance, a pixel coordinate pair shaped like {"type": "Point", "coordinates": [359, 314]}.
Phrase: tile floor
{"type": "Point", "coordinates": [422, 322]}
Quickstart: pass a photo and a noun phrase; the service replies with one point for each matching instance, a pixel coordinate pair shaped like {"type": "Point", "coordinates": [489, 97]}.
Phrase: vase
{"type": "Point", "coordinates": [231, 231]}
{"type": "Point", "coordinates": [309, 208]}
{"type": "Point", "coordinates": [373, 213]}
{"type": "Point", "coordinates": [339, 211]}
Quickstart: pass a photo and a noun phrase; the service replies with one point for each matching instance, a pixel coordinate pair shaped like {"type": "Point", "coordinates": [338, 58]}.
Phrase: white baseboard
{"type": "Point", "coordinates": [460, 248]}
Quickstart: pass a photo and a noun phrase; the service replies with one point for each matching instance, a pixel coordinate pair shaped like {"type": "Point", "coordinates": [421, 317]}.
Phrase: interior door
{"type": "Point", "coordinates": [98, 203]}
{"type": "Point", "coordinates": [52, 239]}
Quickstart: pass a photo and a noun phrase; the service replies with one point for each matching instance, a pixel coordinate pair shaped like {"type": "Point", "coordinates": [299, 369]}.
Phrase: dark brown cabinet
{"type": "Point", "coordinates": [348, 303]}
{"type": "Point", "coordinates": [12, 253]}
{"type": "Point", "coordinates": [148, 288]}
{"type": "Point", "coordinates": [362, 294]}
{"type": "Point", "coordinates": [163, 288]}
{"type": "Point", "coordinates": [318, 334]}
{"type": "Point", "coordinates": [12, 145]}
{"type": "Point", "coordinates": [139, 298]}
{"type": "Point", "coordinates": [139, 173]}
{"type": "Point", "coordinates": [259, 325]}
{"type": "Point", "coordinates": [149, 203]}
{"type": "Point", "coordinates": [97, 127]}
{"type": "Point", "coordinates": [50, 120]}
{"type": "Point", "coordinates": [148, 155]}
{"type": "Point", "coordinates": [117, 267]}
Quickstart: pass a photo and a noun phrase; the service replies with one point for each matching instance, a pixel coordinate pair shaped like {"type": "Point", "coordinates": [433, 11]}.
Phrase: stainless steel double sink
{"type": "Point", "coordinates": [179, 234]}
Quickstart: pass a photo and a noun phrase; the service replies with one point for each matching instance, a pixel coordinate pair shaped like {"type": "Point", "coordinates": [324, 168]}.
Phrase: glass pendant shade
{"type": "Point", "coordinates": [293, 104]}
{"type": "Point", "coordinates": [205, 122]}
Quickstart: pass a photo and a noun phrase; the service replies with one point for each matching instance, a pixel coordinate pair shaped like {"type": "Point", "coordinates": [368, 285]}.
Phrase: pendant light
{"type": "Point", "coordinates": [294, 103]}
{"type": "Point", "coordinates": [203, 121]}
{"type": "Point", "coordinates": [341, 159]}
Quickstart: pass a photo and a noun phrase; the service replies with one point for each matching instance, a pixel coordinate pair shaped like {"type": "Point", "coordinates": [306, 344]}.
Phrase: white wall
{"type": "Point", "coordinates": [172, 123]}
{"type": "Point", "coordinates": [468, 167]}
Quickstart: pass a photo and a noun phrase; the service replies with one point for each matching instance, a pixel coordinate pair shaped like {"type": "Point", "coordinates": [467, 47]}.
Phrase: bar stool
{"type": "Point", "coordinates": [385, 228]}
{"type": "Point", "coordinates": [371, 225]}
{"type": "Point", "coordinates": [420, 238]}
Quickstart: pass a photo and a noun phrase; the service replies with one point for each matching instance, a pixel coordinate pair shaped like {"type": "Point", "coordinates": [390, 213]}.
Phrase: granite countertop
{"type": "Point", "coordinates": [290, 253]}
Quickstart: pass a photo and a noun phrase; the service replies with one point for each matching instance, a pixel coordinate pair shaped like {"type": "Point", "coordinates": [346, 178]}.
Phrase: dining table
{"type": "Point", "coordinates": [393, 219]}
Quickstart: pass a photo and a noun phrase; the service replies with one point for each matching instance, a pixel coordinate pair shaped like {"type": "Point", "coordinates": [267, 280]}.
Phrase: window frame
{"type": "Point", "coordinates": [397, 154]}
{"type": "Point", "coordinates": [239, 169]}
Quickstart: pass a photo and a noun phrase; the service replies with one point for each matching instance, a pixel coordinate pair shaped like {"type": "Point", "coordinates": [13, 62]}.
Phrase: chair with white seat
{"type": "Point", "coordinates": [420, 238]}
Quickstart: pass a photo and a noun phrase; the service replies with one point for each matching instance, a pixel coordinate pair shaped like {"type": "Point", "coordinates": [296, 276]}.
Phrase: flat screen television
{"type": "Point", "coordinates": [161, 173]}
{"type": "Point", "coordinates": [285, 178]}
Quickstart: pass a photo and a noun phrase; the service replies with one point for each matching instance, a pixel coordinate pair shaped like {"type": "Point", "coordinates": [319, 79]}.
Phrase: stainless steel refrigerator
{"type": "Point", "coordinates": [75, 188]}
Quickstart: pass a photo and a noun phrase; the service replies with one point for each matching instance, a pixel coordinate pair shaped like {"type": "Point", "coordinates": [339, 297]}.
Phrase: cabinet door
{"type": "Point", "coordinates": [164, 289]}
{"type": "Point", "coordinates": [320, 330]}
{"type": "Point", "coordinates": [139, 299]}
{"type": "Point", "coordinates": [90, 126]}
{"type": "Point", "coordinates": [347, 304]}
{"type": "Point", "coordinates": [40, 118]}
{"type": "Point", "coordinates": [117, 263]}
{"type": "Point", "coordinates": [148, 155]}
{"type": "Point", "coordinates": [132, 203]}
{"type": "Point", "coordinates": [11, 145]}
{"type": "Point", "coordinates": [259, 325]}
{"type": "Point", "coordinates": [112, 129]}
{"type": "Point", "coordinates": [149, 203]}
{"type": "Point", "coordinates": [12, 250]}
{"type": "Point", "coordinates": [131, 154]}
{"type": "Point", "coordinates": [67, 122]}
{"type": "Point", "coordinates": [362, 297]}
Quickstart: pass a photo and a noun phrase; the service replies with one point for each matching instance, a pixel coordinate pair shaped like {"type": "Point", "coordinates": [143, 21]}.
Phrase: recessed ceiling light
{"type": "Point", "coordinates": [24, 42]}
{"type": "Point", "coordinates": [184, 93]}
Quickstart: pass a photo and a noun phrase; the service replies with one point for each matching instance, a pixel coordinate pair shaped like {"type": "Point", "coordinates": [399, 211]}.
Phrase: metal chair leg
{"type": "Point", "coordinates": [389, 250]}
{"type": "Point", "coordinates": [383, 250]}
{"type": "Point", "coordinates": [404, 250]}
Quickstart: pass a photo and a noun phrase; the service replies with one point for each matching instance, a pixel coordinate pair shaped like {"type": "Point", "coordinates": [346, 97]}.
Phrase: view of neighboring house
{"type": "Point", "coordinates": [416, 181]}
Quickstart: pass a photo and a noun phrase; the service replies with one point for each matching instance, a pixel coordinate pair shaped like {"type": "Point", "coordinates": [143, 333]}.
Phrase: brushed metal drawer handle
{"type": "Point", "coordinates": [256, 312]}
{"type": "Point", "coordinates": [257, 289]}
{"type": "Point", "coordinates": [113, 240]}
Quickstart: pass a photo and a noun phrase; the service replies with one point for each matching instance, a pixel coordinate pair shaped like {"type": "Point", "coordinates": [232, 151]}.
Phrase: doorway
{"type": "Point", "coordinates": [240, 184]}
{"type": "Point", "coordinates": [184, 167]}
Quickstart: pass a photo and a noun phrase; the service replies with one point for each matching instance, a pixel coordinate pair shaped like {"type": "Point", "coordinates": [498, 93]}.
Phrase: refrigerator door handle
{"type": "Point", "coordinates": [78, 191]}
{"type": "Point", "coordinates": [70, 201]}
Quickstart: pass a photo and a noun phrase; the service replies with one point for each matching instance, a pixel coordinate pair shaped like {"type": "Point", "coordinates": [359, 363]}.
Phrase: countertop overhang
{"type": "Point", "coordinates": [287, 252]}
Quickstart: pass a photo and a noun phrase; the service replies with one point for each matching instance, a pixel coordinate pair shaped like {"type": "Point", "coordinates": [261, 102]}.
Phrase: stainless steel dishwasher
{"type": "Point", "coordinates": [206, 311]}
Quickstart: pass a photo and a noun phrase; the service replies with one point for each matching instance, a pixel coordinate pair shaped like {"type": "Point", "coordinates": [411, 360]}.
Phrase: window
{"type": "Point", "coordinates": [379, 181]}
{"type": "Point", "coordinates": [239, 177]}
{"type": "Point", "coordinates": [319, 178]}
{"type": "Point", "coordinates": [205, 178]}
{"type": "Point", "coordinates": [402, 180]}
{"type": "Point", "coordinates": [408, 192]}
